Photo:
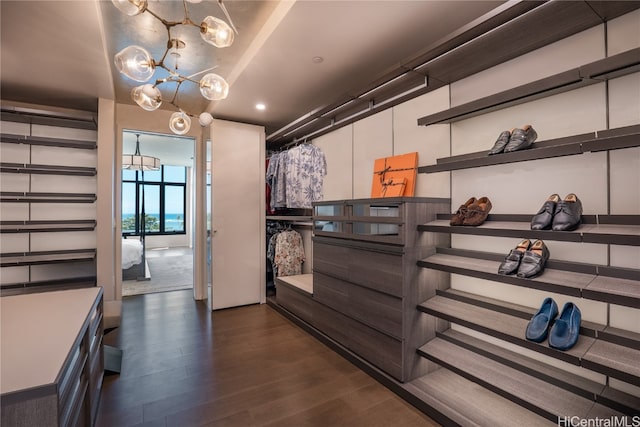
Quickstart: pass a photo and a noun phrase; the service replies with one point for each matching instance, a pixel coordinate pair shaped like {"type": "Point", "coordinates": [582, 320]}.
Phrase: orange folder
{"type": "Point", "coordinates": [395, 176]}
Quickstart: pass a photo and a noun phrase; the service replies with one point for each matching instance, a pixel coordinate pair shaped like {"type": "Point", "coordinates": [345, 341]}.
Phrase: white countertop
{"type": "Point", "coordinates": [38, 331]}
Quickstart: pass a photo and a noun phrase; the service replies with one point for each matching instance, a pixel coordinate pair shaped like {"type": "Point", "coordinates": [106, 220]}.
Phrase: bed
{"type": "Point", "coordinates": [132, 259]}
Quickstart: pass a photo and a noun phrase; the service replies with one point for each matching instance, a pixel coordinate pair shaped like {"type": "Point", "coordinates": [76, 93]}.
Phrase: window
{"type": "Point", "coordinates": [164, 200]}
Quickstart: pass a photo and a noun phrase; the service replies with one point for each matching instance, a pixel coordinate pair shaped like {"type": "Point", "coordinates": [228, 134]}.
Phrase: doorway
{"type": "Point", "coordinates": [157, 214]}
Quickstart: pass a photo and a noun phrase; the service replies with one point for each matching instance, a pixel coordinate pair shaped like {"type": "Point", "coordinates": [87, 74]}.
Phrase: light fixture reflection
{"type": "Point", "coordinates": [135, 62]}
{"type": "Point", "coordinates": [179, 123]}
{"type": "Point", "coordinates": [216, 32]}
{"type": "Point", "coordinates": [147, 96]}
{"type": "Point", "coordinates": [213, 87]}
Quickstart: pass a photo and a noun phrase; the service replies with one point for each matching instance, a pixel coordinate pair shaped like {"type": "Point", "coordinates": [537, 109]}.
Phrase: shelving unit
{"type": "Point", "coordinates": [362, 294]}
{"type": "Point", "coordinates": [490, 364]}
{"type": "Point", "coordinates": [614, 66]}
{"type": "Point", "coordinates": [50, 215]}
{"type": "Point", "coordinates": [612, 139]}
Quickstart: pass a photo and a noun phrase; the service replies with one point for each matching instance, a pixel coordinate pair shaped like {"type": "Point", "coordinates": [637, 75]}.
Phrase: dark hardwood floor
{"type": "Point", "coordinates": [248, 366]}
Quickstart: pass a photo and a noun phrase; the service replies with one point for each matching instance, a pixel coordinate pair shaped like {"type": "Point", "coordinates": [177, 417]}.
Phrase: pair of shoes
{"type": "Point", "coordinates": [514, 140]}
{"type": "Point", "coordinates": [526, 260]}
{"type": "Point", "coordinates": [564, 332]}
{"type": "Point", "coordinates": [473, 212]}
{"type": "Point", "coordinates": [559, 215]}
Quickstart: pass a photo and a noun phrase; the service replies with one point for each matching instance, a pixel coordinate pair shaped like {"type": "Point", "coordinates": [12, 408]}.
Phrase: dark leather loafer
{"type": "Point", "coordinates": [458, 216]}
{"type": "Point", "coordinates": [565, 331]}
{"type": "Point", "coordinates": [568, 214]}
{"type": "Point", "coordinates": [534, 260]}
{"type": "Point", "coordinates": [521, 139]}
{"type": "Point", "coordinates": [542, 220]}
{"type": "Point", "coordinates": [512, 261]}
{"type": "Point", "coordinates": [501, 142]}
{"type": "Point", "coordinates": [477, 212]}
{"type": "Point", "coordinates": [538, 326]}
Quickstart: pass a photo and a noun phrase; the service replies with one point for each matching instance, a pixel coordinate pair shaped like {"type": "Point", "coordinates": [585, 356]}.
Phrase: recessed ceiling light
{"type": "Point", "coordinates": [260, 106]}
{"type": "Point", "coordinates": [317, 59]}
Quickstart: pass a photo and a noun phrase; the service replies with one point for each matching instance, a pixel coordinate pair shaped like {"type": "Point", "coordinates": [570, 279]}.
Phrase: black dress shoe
{"type": "Point", "coordinates": [568, 214]}
{"type": "Point", "coordinates": [512, 261]}
{"type": "Point", "coordinates": [565, 331]}
{"type": "Point", "coordinates": [500, 143]}
{"type": "Point", "coordinates": [521, 139]}
{"type": "Point", "coordinates": [538, 326]}
{"type": "Point", "coordinates": [542, 220]}
{"type": "Point", "coordinates": [534, 260]}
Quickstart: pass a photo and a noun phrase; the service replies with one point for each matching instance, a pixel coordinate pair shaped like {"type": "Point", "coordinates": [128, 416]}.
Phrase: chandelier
{"type": "Point", "coordinates": [136, 63]}
{"type": "Point", "coordinates": [139, 162]}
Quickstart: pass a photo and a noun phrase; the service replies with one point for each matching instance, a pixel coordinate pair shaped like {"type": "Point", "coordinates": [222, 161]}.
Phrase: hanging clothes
{"type": "Point", "coordinates": [306, 168]}
{"type": "Point", "coordinates": [289, 253]}
{"type": "Point", "coordinates": [276, 178]}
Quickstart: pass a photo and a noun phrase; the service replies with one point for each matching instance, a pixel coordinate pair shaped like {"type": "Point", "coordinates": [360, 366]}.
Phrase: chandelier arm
{"type": "Point", "coordinates": [226, 13]}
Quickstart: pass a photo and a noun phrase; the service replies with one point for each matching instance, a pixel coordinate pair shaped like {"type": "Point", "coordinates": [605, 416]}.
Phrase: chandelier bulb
{"type": "Point", "coordinates": [135, 62]}
{"type": "Point", "coordinates": [147, 96]}
{"type": "Point", "coordinates": [205, 119]}
{"type": "Point", "coordinates": [130, 7]}
{"type": "Point", "coordinates": [179, 123]}
{"type": "Point", "coordinates": [213, 87]}
{"type": "Point", "coordinates": [216, 32]}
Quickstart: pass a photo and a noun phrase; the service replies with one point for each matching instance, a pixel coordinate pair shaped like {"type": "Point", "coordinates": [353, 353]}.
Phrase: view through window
{"type": "Point", "coordinates": [164, 200]}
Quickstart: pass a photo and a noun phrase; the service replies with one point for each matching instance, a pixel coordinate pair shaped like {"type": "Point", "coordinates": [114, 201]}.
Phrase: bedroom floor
{"type": "Point", "coordinates": [170, 269]}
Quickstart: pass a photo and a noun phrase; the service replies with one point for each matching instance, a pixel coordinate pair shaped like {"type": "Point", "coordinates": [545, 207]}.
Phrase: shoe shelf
{"type": "Point", "coordinates": [545, 389]}
{"type": "Point", "coordinates": [465, 403]}
{"type": "Point", "coordinates": [595, 72]}
{"type": "Point", "coordinates": [607, 284]}
{"type": "Point", "coordinates": [595, 350]}
{"type": "Point", "coordinates": [17, 259]}
{"type": "Point", "coordinates": [46, 141]}
{"type": "Point", "coordinates": [32, 197]}
{"type": "Point", "coordinates": [43, 285]}
{"type": "Point", "coordinates": [46, 169]}
{"type": "Point", "coordinates": [611, 139]}
{"type": "Point", "coordinates": [611, 229]}
{"type": "Point", "coordinates": [36, 226]}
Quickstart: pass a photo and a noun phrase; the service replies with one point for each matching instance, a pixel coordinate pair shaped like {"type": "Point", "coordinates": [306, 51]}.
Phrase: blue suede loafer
{"type": "Point", "coordinates": [565, 331]}
{"type": "Point", "coordinates": [538, 326]}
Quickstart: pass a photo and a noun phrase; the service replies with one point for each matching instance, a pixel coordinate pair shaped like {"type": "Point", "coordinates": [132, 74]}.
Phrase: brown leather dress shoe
{"type": "Point", "coordinates": [477, 212]}
{"type": "Point", "coordinates": [461, 213]}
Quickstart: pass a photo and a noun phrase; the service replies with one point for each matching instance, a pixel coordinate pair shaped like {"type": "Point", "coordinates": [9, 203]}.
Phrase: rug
{"type": "Point", "coordinates": [168, 273]}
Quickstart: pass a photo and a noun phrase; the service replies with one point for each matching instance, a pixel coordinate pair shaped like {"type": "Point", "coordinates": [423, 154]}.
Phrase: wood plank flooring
{"type": "Point", "coordinates": [248, 366]}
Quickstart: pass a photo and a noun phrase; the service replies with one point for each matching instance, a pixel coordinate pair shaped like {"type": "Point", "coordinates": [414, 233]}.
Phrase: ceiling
{"type": "Point", "coordinates": [61, 52]}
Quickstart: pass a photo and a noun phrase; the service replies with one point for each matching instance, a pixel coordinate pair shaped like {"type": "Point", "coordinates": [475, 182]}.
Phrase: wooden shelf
{"type": "Point", "coordinates": [16, 259]}
{"type": "Point", "coordinates": [46, 169]}
{"type": "Point", "coordinates": [50, 142]}
{"type": "Point", "coordinates": [293, 218]}
{"type": "Point", "coordinates": [47, 226]}
{"type": "Point", "coordinates": [57, 284]}
{"type": "Point", "coordinates": [31, 197]}
{"type": "Point", "coordinates": [612, 139]}
{"type": "Point", "coordinates": [613, 229]}
{"type": "Point", "coordinates": [508, 322]}
{"type": "Point", "coordinates": [614, 66]}
{"type": "Point", "coordinates": [519, 377]}
{"type": "Point", "coordinates": [566, 278]}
